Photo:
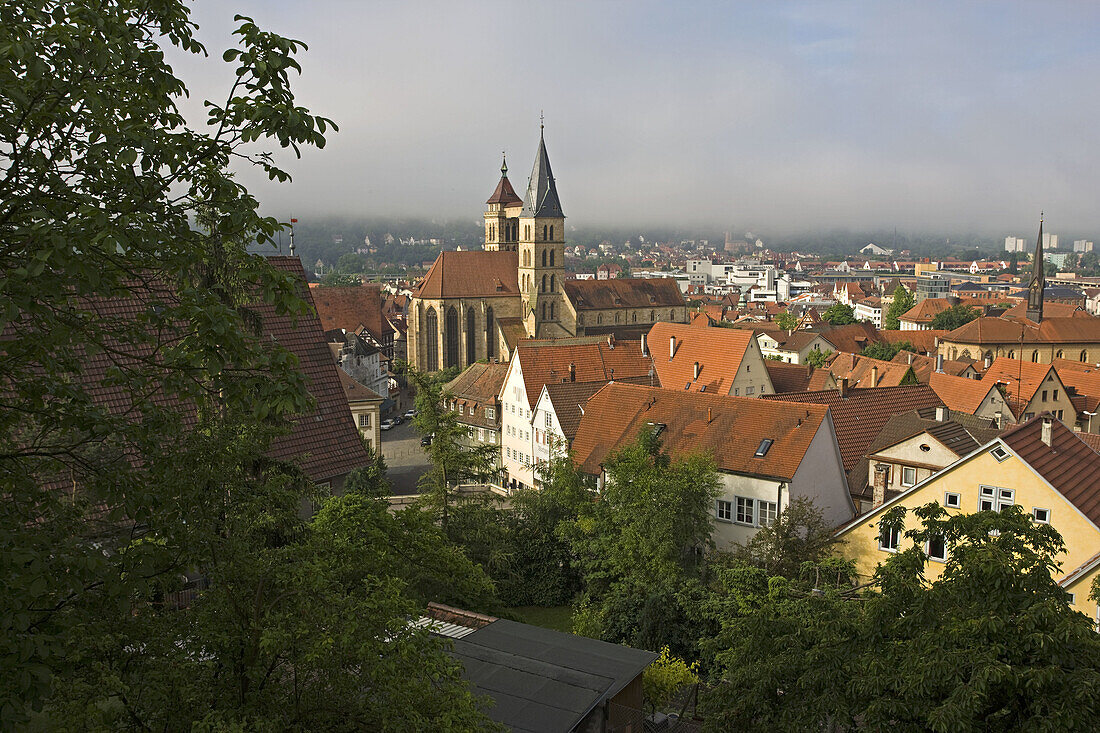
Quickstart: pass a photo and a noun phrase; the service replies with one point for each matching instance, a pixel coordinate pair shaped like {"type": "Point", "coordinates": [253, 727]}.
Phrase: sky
{"type": "Point", "coordinates": [762, 116]}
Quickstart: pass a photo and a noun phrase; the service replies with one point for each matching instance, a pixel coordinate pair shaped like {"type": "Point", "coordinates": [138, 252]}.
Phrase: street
{"type": "Point", "coordinates": [405, 459]}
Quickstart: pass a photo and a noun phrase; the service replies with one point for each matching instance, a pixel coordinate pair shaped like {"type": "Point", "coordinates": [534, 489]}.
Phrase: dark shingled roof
{"type": "Point", "coordinates": [350, 308]}
{"type": "Point", "coordinates": [1068, 464]}
{"type": "Point", "coordinates": [788, 377]}
{"type": "Point", "coordinates": [960, 433]}
{"type": "Point", "coordinates": [544, 681]}
{"type": "Point", "coordinates": [655, 292]}
{"type": "Point", "coordinates": [504, 194]}
{"type": "Point", "coordinates": [542, 192]}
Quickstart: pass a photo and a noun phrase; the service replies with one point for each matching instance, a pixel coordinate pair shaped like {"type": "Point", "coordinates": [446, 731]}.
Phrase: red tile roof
{"type": "Point", "coordinates": [987, 330]}
{"type": "Point", "coordinates": [788, 377]}
{"type": "Point", "coordinates": [959, 393]}
{"type": "Point", "coordinates": [697, 422]}
{"type": "Point", "coordinates": [351, 308]}
{"type": "Point", "coordinates": [504, 194]}
{"type": "Point", "coordinates": [852, 338]}
{"type": "Point", "coordinates": [1068, 464]}
{"type": "Point", "coordinates": [718, 351]}
{"type": "Point", "coordinates": [860, 415]}
{"type": "Point", "coordinates": [473, 274]}
{"type": "Point", "coordinates": [657, 292]}
{"type": "Point", "coordinates": [860, 370]}
{"type": "Point", "coordinates": [926, 310]}
{"type": "Point", "coordinates": [547, 362]}
{"type": "Point", "coordinates": [1084, 378]}
{"type": "Point", "coordinates": [1022, 378]}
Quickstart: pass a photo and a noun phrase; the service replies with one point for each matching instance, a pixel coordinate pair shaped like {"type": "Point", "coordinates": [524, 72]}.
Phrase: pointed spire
{"type": "Point", "coordinates": [503, 164]}
{"type": "Point", "coordinates": [542, 192]}
{"type": "Point", "coordinates": [1038, 282]}
{"type": "Point", "coordinates": [504, 194]}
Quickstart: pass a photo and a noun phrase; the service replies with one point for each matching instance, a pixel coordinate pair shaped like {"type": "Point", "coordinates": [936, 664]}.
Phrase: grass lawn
{"type": "Point", "coordinates": [559, 618]}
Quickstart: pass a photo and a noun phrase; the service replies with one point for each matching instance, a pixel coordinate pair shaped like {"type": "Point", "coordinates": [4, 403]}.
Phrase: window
{"type": "Point", "coordinates": [481, 434]}
{"type": "Point", "coordinates": [889, 539]}
{"type": "Point", "coordinates": [549, 420]}
{"type": "Point", "coordinates": [1044, 395]}
{"type": "Point", "coordinates": [1054, 396]}
{"type": "Point", "coordinates": [994, 499]}
{"type": "Point", "coordinates": [508, 452]}
{"type": "Point", "coordinates": [736, 391]}
{"type": "Point", "coordinates": [723, 510]}
{"type": "Point", "coordinates": [768, 510]}
{"type": "Point", "coordinates": [364, 420]}
{"type": "Point", "coordinates": [763, 448]}
{"type": "Point", "coordinates": [1042, 516]}
{"type": "Point", "coordinates": [490, 413]}
{"type": "Point", "coordinates": [745, 510]}
{"type": "Point", "coordinates": [937, 549]}
{"type": "Point", "coordinates": [952, 501]}
{"type": "Point", "coordinates": [999, 453]}
{"type": "Point", "coordinates": [908, 476]}
{"type": "Point", "coordinates": [750, 390]}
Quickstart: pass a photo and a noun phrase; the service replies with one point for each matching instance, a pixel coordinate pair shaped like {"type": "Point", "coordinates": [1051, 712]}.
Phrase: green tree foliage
{"type": "Point", "coordinates": [903, 301]}
{"type": "Point", "coordinates": [839, 314]}
{"type": "Point", "coordinates": [665, 679]}
{"type": "Point", "coordinates": [1014, 264]}
{"type": "Point", "coordinates": [339, 279]}
{"type": "Point", "coordinates": [799, 535]}
{"type": "Point", "coordinates": [786, 321]}
{"type": "Point", "coordinates": [886, 350]}
{"type": "Point", "coordinates": [991, 645]}
{"type": "Point", "coordinates": [957, 315]}
{"type": "Point", "coordinates": [642, 545]}
{"type": "Point", "coordinates": [106, 510]}
{"type": "Point", "coordinates": [818, 359]}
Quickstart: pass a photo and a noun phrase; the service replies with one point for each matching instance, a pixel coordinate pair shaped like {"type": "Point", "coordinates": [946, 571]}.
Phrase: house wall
{"type": "Point", "coordinates": [820, 476]}
{"type": "Point", "coordinates": [1046, 352]}
{"type": "Point", "coordinates": [1081, 589]}
{"type": "Point", "coordinates": [909, 453]}
{"type": "Point", "coordinates": [516, 441]}
{"type": "Point", "coordinates": [730, 532]}
{"type": "Point", "coordinates": [547, 436]}
{"type": "Point", "coordinates": [752, 378]}
{"type": "Point", "coordinates": [368, 419]}
{"type": "Point", "coordinates": [860, 541]}
{"type": "Point", "coordinates": [1062, 407]}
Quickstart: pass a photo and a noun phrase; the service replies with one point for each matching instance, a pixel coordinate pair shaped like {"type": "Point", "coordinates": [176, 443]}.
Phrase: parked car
{"type": "Point", "coordinates": [397, 420]}
{"type": "Point", "coordinates": [388, 424]}
{"type": "Point", "coordinates": [410, 414]}
{"type": "Point", "coordinates": [426, 440]}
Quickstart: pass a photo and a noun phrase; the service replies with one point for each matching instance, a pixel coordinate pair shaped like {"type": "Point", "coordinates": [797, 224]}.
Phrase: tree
{"type": "Point", "coordinates": [799, 535]}
{"type": "Point", "coordinates": [839, 314]}
{"type": "Point", "coordinates": [337, 279]}
{"type": "Point", "coordinates": [903, 301]}
{"type": "Point", "coordinates": [818, 359]}
{"type": "Point", "coordinates": [107, 195]}
{"type": "Point", "coordinates": [886, 350]}
{"type": "Point", "coordinates": [786, 321]}
{"type": "Point", "coordinates": [1010, 653]}
{"type": "Point", "coordinates": [957, 315]}
{"type": "Point", "coordinates": [1013, 264]}
{"type": "Point", "coordinates": [641, 546]}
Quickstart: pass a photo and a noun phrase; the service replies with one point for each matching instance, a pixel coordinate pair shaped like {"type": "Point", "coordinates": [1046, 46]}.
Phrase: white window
{"type": "Point", "coordinates": [937, 549]}
{"type": "Point", "coordinates": [508, 453]}
{"type": "Point", "coordinates": [994, 499]}
{"type": "Point", "coordinates": [951, 500]}
{"type": "Point", "coordinates": [745, 510]}
{"type": "Point", "coordinates": [889, 539]}
{"type": "Point", "coordinates": [490, 413]}
{"type": "Point", "coordinates": [723, 510]}
{"type": "Point", "coordinates": [908, 476]}
{"type": "Point", "coordinates": [749, 390]}
{"type": "Point", "coordinates": [549, 420]}
{"type": "Point", "coordinates": [364, 419]}
{"type": "Point", "coordinates": [462, 409]}
{"type": "Point", "coordinates": [767, 511]}
{"type": "Point", "coordinates": [999, 453]}
{"type": "Point", "coordinates": [481, 434]}
{"type": "Point", "coordinates": [1042, 516]}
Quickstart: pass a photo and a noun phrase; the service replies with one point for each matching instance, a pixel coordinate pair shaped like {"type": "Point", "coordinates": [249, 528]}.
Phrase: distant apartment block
{"type": "Point", "coordinates": [1050, 241]}
{"type": "Point", "coordinates": [1015, 244]}
{"type": "Point", "coordinates": [1082, 245]}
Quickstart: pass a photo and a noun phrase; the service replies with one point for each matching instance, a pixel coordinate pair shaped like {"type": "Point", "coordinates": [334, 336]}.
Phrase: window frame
{"type": "Point", "coordinates": [1035, 515]}
{"type": "Point", "coordinates": [914, 474]}
{"type": "Point", "coordinates": [947, 500]}
{"type": "Point", "coordinates": [723, 506]}
{"type": "Point", "coordinates": [889, 540]}
{"type": "Point", "coordinates": [750, 507]}
{"type": "Point", "coordinates": [928, 549]}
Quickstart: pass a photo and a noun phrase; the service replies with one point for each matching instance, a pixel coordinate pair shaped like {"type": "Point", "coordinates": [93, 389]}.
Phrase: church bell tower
{"type": "Point", "coordinates": [541, 249]}
{"type": "Point", "coordinates": [1038, 281]}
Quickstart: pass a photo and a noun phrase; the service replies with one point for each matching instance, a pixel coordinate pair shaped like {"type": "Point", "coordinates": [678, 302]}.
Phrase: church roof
{"type": "Point", "coordinates": [473, 274]}
{"type": "Point", "coordinates": [504, 194]}
{"type": "Point", "coordinates": [542, 193]}
{"type": "Point", "coordinates": [656, 292]}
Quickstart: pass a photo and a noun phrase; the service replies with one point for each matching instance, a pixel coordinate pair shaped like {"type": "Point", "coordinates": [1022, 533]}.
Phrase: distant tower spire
{"type": "Point", "coordinates": [542, 122]}
{"type": "Point", "coordinates": [503, 163]}
{"type": "Point", "coordinates": [1038, 280]}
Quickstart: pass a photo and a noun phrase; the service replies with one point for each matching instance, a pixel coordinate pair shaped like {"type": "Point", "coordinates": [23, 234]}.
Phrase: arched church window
{"type": "Point", "coordinates": [1035, 356]}
{"type": "Point", "coordinates": [618, 316]}
{"type": "Point", "coordinates": [599, 318]}
{"type": "Point", "coordinates": [653, 316]}
{"type": "Point", "coordinates": [1011, 354]}
{"type": "Point", "coordinates": [543, 284]}
{"type": "Point", "coordinates": [544, 258]}
{"type": "Point", "coordinates": [551, 311]}
{"type": "Point", "coordinates": [450, 337]}
{"type": "Point", "coordinates": [1059, 353]}
{"type": "Point", "coordinates": [966, 353]}
{"type": "Point", "coordinates": [544, 232]}
{"type": "Point", "coordinates": [551, 258]}
{"type": "Point", "coordinates": [490, 337]}
{"type": "Point", "coordinates": [551, 232]}
{"type": "Point", "coordinates": [431, 341]}
{"type": "Point", "coordinates": [1084, 355]}
{"type": "Point", "coordinates": [544, 311]}
{"type": "Point", "coordinates": [471, 337]}
{"type": "Point", "coordinates": [551, 283]}
{"type": "Point", "coordinates": [634, 316]}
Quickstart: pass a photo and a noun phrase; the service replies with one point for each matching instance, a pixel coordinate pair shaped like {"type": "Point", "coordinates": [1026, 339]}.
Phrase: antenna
{"type": "Point", "coordinates": [292, 223]}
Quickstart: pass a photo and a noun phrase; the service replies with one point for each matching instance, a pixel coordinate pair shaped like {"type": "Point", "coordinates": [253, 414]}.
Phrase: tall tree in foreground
{"type": "Point", "coordinates": [108, 198]}
{"type": "Point", "coordinates": [903, 301]}
{"type": "Point", "coordinates": [991, 645]}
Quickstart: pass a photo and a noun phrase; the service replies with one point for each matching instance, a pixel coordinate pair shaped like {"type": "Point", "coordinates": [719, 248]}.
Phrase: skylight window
{"type": "Point", "coordinates": [765, 446]}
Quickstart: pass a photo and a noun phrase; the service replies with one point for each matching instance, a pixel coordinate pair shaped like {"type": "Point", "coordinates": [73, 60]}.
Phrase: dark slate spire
{"type": "Point", "coordinates": [1038, 281]}
{"type": "Point", "coordinates": [542, 193]}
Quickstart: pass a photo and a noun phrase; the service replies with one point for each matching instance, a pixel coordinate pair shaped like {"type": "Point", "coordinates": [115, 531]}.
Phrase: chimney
{"type": "Point", "coordinates": [572, 372]}
{"type": "Point", "coordinates": [909, 357]}
{"type": "Point", "coordinates": [942, 413]}
{"type": "Point", "coordinates": [939, 363]}
{"type": "Point", "coordinates": [671, 347]}
{"type": "Point", "coordinates": [874, 375]}
{"type": "Point", "coordinates": [844, 387]}
{"type": "Point", "coordinates": [987, 361]}
{"type": "Point", "coordinates": [645, 346]}
{"type": "Point", "coordinates": [1047, 434]}
{"type": "Point", "coordinates": [710, 416]}
{"type": "Point", "coordinates": [882, 478]}
{"type": "Point", "coordinates": [999, 416]}
{"type": "Point", "coordinates": [696, 371]}
{"type": "Point", "coordinates": [611, 341]}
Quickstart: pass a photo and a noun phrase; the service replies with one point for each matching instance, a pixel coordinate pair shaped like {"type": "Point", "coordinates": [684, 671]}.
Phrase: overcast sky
{"type": "Point", "coordinates": [764, 115]}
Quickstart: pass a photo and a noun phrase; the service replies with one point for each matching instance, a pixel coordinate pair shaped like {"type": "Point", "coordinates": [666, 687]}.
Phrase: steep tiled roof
{"type": "Point", "coordinates": [1083, 377]}
{"type": "Point", "coordinates": [1068, 464]}
{"type": "Point", "coordinates": [1022, 378]}
{"type": "Point", "coordinates": [504, 194]}
{"type": "Point", "coordinates": [656, 292]}
{"type": "Point", "coordinates": [924, 366]}
{"type": "Point", "coordinates": [1050, 331]}
{"type": "Point", "coordinates": [718, 351]}
{"type": "Point", "coordinates": [479, 382]}
{"type": "Point", "coordinates": [959, 393]}
{"type": "Point", "coordinates": [473, 274]}
{"type": "Point", "coordinates": [926, 310]}
{"type": "Point", "coordinates": [852, 338]}
{"type": "Point", "coordinates": [696, 422]}
{"type": "Point", "coordinates": [955, 436]}
{"type": "Point", "coordinates": [860, 370]}
{"type": "Point", "coordinates": [542, 190]}
{"type": "Point", "coordinates": [350, 308]}
{"type": "Point", "coordinates": [547, 362]}
{"type": "Point", "coordinates": [1051, 309]}
{"type": "Point", "coordinates": [788, 377]}
{"type": "Point", "coordinates": [860, 415]}
{"type": "Point", "coordinates": [569, 399]}
{"type": "Point", "coordinates": [355, 391]}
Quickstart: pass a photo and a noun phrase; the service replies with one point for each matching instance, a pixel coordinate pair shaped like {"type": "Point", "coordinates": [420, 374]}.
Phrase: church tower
{"type": "Point", "coordinates": [1038, 281]}
{"type": "Point", "coordinates": [502, 215]}
{"type": "Point", "coordinates": [542, 250]}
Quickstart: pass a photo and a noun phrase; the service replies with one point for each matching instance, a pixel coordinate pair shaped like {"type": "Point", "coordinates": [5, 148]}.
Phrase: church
{"type": "Point", "coordinates": [478, 305]}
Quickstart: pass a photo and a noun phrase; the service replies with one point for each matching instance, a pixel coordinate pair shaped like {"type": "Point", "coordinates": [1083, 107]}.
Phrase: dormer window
{"type": "Point", "coordinates": [763, 448]}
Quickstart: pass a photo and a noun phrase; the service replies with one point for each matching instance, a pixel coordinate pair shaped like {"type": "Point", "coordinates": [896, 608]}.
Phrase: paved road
{"type": "Point", "coordinates": [405, 459]}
